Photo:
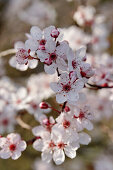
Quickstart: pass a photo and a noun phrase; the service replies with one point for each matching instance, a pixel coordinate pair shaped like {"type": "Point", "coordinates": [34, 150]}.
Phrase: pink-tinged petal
{"type": "Point", "coordinates": [46, 156]}
{"type": "Point", "coordinates": [56, 87]}
{"type": "Point", "coordinates": [87, 124]}
{"type": "Point", "coordinates": [19, 44]}
{"type": "Point", "coordinates": [64, 78]}
{"type": "Point", "coordinates": [61, 64]}
{"type": "Point", "coordinates": [36, 33]}
{"type": "Point", "coordinates": [33, 64]}
{"type": "Point", "coordinates": [61, 97]}
{"type": "Point", "coordinates": [50, 46]}
{"type": "Point", "coordinates": [31, 44]}
{"type": "Point", "coordinates": [84, 138]}
{"type": "Point", "coordinates": [73, 95]}
{"type": "Point", "coordinates": [38, 145]}
{"type": "Point", "coordinates": [13, 61]}
{"type": "Point", "coordinates": [50, 69]}
{"type": "Point", "coordinates": [70, 55]}
{"type": "Point", "coordinates": [71, 153]}
{"type": "Point", "coordinates": [5, 154]}
{"type": "Point", "coordinates": [14, 137]}
{"type": "Point", "coordinates": [77, 85]}
{"type": "Point", "coordinates": [22, 146]}
{"type": "Point", "coordinates": [59, 156]}
{"type": "Point", "coordinates": [22, 67]}
{"type": "Point", "coordinates": [81, 52]}
{"type": "Point", "coordinates": [3, 141]}
{"type": "Point", "coordinates": [47, 32]}
{"type": "Point", "coordinates": [38, 130]}
{"type": "Point", "coordinates": [62, 49]}
{"type": "Point", "coordinates": [42, 55]}
{"type": "Point", "coordinates": [16, 155]}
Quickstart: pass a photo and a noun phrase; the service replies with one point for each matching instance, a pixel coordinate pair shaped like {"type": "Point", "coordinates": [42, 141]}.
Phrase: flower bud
{"type": "Point", "coordinates": [43, 105]}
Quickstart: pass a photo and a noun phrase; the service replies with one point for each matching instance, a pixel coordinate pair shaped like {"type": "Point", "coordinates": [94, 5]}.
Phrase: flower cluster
{"type": "Point", "coordinates": [71, 64]}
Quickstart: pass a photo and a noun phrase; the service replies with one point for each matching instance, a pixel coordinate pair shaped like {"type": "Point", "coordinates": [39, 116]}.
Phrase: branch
{"type": "Point", "coordinates": [7, 52]}
{"type": "Point", "coordinates": [97, 87]}
{"type": "Point", "coordinates": [21, 122]}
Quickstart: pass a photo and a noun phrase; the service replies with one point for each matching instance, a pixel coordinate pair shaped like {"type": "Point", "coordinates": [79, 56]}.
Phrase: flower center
{"type": "Point", "coordinates": [66, 124]}
{"type": "Point", "coordinates": [66, 87]}
{"type": "Point", "coordinates": [61, 145]}
{"type": "Point", "coordinates": [81, 115]}
{"type": "Point", "coordinates": [53, 56]}
{"type": "Point", "coordinates": [12, 147]}
{"type": "Point", "coordinates": [34, 105]}
{"type": "Point", "coordinates": [51, 144]}
{"type": "Point", "coordinates": [42, 44]}
{"type": "Point", "coordinates": [5, 122]}
{"type": "Point", "coordinates": [74, 64]}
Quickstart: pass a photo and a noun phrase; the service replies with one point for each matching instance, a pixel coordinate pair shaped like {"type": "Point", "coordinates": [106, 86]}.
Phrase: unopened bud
{"type": "Point", "coordinates": [43, 105]}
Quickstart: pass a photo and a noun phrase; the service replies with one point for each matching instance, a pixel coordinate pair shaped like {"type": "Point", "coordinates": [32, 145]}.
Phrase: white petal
{"type": "Point", "coordinates": [87, 124]}
{"type": "Point", "coordinates": [46, 156]}
{"type": "Point", "coordinates": [56, 87]}
{"type": "Point", "coordinates": [84, 138]}
{"type": "Point", "coordinates": [50, 46]}
{"type": "Point", "coordinates": [36, 33]}
{"type": "Point", "coordinates": [5, 154]}
{"type": "Point", "coordinates": [50, 69]}
{"type": "Point", "coordinates": [14, 137]}
{"type": "Point", "coordinates": [38, 130]}
{"type": "Point", "coordinates": [78, 85]}
{"type": "Point", "coordinates": [19, 44]}
{"type": "Point", "coordinates": [31, 44]}
{"type": "Point", "coordinates": [3, 140]}
{"type": "Point", "coordinates": [33, 64]}
{"type": "Point", "coordinates": [62, 49]}
{"type": "Point", "coordinates": [47, 32]}
{"type": "Point", "coordinates": [42, 55]}
{"type": "Point", "coordinates": [61, 98]}
{"type": "Point", "coordinates": [72, 95]}
{"type": "Point", "coordinates": [38, 145]}
{"type": "Point", "coordinates": [81, 52]}
{"type": "Point", "coordinates": [64, 78]}
{"type": "Point", "coordinates": [22, 146]}
{"type": "Point", "coordinates": [58, 156]}
{"type": "Point", "coordinates": [16, 155]}
{"type": "Point", "coordinates": [61, 64]}
{"type": "Point", "coordinates": [71, 153]}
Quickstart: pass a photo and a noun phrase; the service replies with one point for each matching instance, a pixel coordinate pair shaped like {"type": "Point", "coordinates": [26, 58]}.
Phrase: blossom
{"type": "Point", "coordinates": [11, 146]}
{"type": "Point", "coordinates": [39, 38]}
{"type": "Point", "coordinates": [24, 58]}
{"type": "Point", "coordinates": [53, 56]}
{"type": "Point", "coordinates": [7, 119]}
{"type": "Point", "coordinates": [103, 162]}
{"type": "Point", "coordinates": [66, 88]}
{"type": "Point", "coordinates": [76, 37]}
{"type": "Point", "coordinates": [83, 116]}
{"type": "Point", "coordinates": [67, 125]}
{"type": "Point", "coordinates": [54, 146]}
{"type": "Point", "coordinates": [41, 13]}
{"type": "Point", "coordinates": [84, 15]}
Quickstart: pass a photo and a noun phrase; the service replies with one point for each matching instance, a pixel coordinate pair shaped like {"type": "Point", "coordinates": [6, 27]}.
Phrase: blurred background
{"type": "Point", "coordinates": [16, 19]}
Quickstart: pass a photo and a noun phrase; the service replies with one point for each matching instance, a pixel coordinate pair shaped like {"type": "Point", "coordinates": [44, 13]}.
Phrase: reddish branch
{"type": "Point", "coordinates": [97, 87]}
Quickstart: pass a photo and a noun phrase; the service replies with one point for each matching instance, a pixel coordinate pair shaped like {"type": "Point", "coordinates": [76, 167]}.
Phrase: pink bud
{"type": "Point", "coordinates": [43, 105]}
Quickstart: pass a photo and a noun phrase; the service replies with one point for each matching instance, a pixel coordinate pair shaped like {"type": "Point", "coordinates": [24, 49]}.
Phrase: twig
{"type": "Point", "coordinates": [7, 52]}
{"type": "Point", "coordinates": [63, 107]}
{"type": "Point", "coordinates": [21, 122]}
{"type": "Point", "coordinates": [96, 87]}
